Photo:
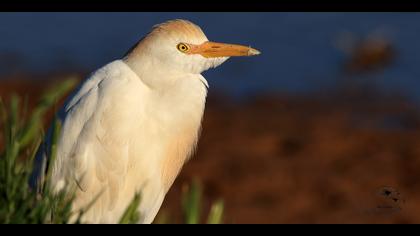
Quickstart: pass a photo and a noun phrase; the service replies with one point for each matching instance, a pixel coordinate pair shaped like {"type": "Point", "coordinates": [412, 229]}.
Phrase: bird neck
{"type": "Point", "coordinates": [177, 93]}
{"type": "Point", "coordinates": [157, 76]}
{"type": "Point", "coordinates": [180, 92]}
{"type": "Point", "coordinates": [176, 104]}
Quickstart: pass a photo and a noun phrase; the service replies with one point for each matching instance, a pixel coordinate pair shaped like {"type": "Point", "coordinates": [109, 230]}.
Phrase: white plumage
{"type": "Point", "coordinates": [134, 122]}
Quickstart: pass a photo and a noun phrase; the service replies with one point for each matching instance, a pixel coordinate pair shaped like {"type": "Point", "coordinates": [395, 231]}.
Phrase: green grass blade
{"type": "Point", "coordinates": [216, 213]}
{"type": "Point", "coordinates": [131, 214]}
{"type": "Point", "coordinates": [191, 203]}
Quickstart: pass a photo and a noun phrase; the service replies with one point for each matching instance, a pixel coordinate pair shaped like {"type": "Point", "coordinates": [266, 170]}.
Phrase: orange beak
{"type": "Point", "coordinates": [213, 49]}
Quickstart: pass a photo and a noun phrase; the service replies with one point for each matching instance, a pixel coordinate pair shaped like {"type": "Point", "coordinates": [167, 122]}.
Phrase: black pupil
{"type": "Point", "coordinates": [183, 47]}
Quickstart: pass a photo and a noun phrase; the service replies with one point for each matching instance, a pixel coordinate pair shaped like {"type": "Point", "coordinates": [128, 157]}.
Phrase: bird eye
{"type": "Point", "coordinates": [183, 47]}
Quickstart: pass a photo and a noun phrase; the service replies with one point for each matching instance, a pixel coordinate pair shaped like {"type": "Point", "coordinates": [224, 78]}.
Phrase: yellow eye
{"type": "Point", "coordinates": [183, 47]}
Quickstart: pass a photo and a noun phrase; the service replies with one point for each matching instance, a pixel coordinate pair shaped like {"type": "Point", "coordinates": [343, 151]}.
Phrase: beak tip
{"type": "Point", "coordinates": [253, 52]}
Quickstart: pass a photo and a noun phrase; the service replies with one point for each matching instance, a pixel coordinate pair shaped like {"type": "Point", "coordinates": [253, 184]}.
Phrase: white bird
{"type": "Point", "coordinates": [133, 123]}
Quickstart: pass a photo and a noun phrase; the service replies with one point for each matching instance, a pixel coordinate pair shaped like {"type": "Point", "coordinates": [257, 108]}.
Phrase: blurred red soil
{"type": "Point", "coordinates": [309, 160]}
{"type": "Point", "coordinates": [313, 159]}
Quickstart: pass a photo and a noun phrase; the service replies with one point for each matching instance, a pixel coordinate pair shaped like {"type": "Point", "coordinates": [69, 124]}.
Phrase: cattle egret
{"type": "Point", "coordinates": [133, 123]}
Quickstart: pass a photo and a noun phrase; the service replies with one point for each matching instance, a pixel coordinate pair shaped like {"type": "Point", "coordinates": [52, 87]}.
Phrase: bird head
{"type": "Point", "coordinates": [180, 46]}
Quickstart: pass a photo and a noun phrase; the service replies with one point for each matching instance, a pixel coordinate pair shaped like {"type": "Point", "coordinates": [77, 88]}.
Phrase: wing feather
{"type": "Point", "coordinates": [94, 144]}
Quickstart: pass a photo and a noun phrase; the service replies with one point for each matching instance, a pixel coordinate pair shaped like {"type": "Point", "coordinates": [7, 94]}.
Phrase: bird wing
{"type": "Point", "coordinates": [93, 151]}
